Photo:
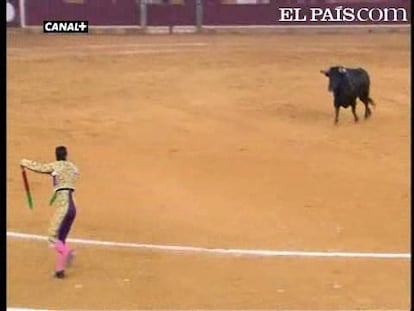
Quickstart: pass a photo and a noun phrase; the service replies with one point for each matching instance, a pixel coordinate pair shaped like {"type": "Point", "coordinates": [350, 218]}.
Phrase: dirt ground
{"type": "Point", "coordinates": [221, 141]}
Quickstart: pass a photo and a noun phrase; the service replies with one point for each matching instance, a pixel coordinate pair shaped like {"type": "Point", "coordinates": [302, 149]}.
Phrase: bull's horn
{"type": "Point", "coordinates": [342, 69]}
{"type": "Point", "coordinates": [323, 71]}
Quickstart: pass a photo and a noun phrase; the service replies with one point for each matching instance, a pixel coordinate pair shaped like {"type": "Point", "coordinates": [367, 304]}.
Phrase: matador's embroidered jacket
{"type": "Point", "coordinates": [65, 173]}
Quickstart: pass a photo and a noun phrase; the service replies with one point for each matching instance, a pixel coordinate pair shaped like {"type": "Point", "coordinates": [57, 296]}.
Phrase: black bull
{"type": "Point", "coordinates": [348, 84]}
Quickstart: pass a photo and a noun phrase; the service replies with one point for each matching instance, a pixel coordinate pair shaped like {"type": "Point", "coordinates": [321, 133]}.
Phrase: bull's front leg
{"type": "Point", "coordinates": [354, 112]}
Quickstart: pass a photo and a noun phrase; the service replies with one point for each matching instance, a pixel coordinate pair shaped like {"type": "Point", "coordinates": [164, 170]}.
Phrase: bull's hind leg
{"type": "Point", "coordinates": [336, 115]}
{"type": "Point", "coordinates": [367, 110]}
{"type": "Point", "coordinates": [366, 100]}
{"type": "Point", "coordinates": [354, 111]}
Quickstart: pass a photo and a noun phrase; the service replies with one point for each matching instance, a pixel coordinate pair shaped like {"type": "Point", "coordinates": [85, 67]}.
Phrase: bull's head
{"type": "Point", "coordinates": [335, 75]}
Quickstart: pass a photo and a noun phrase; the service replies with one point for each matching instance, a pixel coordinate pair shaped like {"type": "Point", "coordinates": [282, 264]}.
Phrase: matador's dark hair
{"type": "Point", "coordinates": [61, 153]}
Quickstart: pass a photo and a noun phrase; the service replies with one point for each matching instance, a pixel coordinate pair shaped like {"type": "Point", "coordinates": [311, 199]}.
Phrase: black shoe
{"type": "Point", "coordinates": [60, 274]}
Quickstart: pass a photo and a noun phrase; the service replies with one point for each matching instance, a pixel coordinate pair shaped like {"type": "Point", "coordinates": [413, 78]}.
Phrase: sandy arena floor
{"type": "Point", "coordinates": [220, 141]}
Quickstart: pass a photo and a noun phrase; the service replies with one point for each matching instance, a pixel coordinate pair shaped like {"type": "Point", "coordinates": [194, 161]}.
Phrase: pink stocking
{"type": "Point", "coordinates": [62, 251]}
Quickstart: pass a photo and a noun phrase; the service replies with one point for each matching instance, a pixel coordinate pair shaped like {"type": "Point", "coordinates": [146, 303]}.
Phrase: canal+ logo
{"type": "Point", "coordinates": [65, 27]}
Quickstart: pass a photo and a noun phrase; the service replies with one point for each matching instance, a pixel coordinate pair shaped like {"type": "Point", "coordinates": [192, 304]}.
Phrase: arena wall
{"type": "Point", "coordinates": [133, 13]}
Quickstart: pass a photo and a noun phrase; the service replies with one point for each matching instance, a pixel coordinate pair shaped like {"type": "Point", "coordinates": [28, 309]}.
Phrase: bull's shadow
{"type": "Point", "coordinates": [347, 85]}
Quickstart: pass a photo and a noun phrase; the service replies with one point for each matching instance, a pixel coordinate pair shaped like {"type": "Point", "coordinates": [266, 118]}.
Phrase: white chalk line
{"type": "Point", "coordinates": [96, 54]}
{"type": "Point", "coordinates": [222, 251]}
{"type": "Point", "coordinates": [44, 53]}
{"type": "Point", "coordinates": [26, 309]}
{"type": "Point", "coordinates": [105, 46]}
{"type": "Point", "coordinates": [28, 53]}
